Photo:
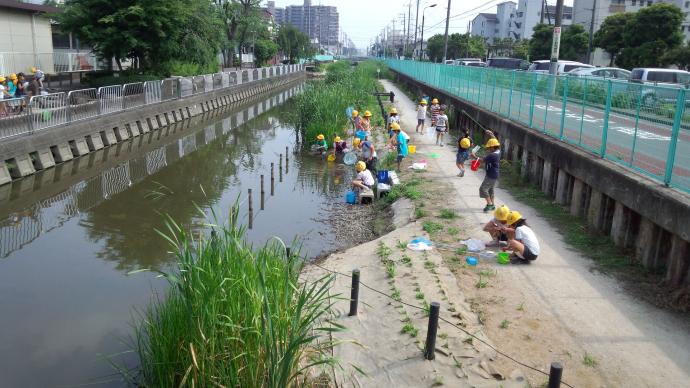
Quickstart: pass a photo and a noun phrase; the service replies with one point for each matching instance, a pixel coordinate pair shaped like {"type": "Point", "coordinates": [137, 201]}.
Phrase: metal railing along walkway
{"type": "Point", "coordinates": [19, 116]}
{"type": "Point", "coordinates": [639, 126]}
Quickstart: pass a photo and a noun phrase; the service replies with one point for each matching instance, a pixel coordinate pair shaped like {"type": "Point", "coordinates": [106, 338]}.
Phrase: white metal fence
{"type": "Point", "coordinates": [21, 116]}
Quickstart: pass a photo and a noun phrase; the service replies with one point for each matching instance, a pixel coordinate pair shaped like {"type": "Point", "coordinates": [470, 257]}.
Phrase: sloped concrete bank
{"type": "Point", "coordinates": [638, 213]}
{"type": "Point", "coordinates": [24, 155]}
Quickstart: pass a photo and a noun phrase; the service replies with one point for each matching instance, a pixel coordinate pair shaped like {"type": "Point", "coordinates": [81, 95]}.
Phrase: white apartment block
{"type": "Point", "coordinates": [583, 15]}
{"type": "Point", "coordinates": [516, 21]}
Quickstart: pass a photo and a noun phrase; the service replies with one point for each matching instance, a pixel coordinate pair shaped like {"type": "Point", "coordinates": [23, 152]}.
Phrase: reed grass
{"type": "Point", "coordinates": [234, 316]}
{"type": "Point", "coordinates": [321, 108]}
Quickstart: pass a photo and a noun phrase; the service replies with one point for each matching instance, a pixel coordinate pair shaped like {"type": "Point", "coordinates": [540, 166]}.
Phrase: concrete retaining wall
{"type": "Point", "coordinates": [636, 212]}
{"type": "Point", "coordinates": [24, 155]}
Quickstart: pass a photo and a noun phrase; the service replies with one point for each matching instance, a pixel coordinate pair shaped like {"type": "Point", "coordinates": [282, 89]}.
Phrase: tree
{"type": "Point", "coordinates": [153, 33]}
{"type": "Point", "coordinates": [679, 56]}
{"type": "Point", "coordinates": [242, 20]}
{"type": "Point", "coordinates": [649, 35]}
{"type": "Point", "coordinates": [459, 46]}
{"type": "Point", "coordinates": [264, 49]}
{"type": "Point", "coordinates": [609, 37]}
{"type": "Point", "coordinates": [293, 43]}
{"type": "Point", "coordinates": [574, 41]}
{"type": "Point", "coordinates": [540, 44]}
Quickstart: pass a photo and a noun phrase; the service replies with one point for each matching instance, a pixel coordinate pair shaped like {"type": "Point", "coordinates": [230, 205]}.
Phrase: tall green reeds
{"type": "Point", "coordinates": [234, 316]}
{"type": "Point", "coordinates": [321, 108]}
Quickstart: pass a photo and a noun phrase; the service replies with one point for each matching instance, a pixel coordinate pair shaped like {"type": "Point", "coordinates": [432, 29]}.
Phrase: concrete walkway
{"type": "Point", "coordinates": [634, 344]}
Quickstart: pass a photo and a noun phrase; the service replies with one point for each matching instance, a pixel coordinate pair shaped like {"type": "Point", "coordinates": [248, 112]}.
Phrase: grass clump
{"type": "Point", "coordinates": [431, 227]}
{"type": "Point", "coordinates": [447, 214]}
{"type": "Point", "coordinates": [589, 360]}
{"type": "Point", "coordinates": [453, 231]}
{"type": "Point", "coordinates": [482, 283]}
{"type": "Point", "coordinates": [504, 324]}
{"type": "Point", "coordinates": [420, 213]}
{"type": "Point", "coordinates": [233, 316]}
{"type": "Point", "coordinates": [410, 329]}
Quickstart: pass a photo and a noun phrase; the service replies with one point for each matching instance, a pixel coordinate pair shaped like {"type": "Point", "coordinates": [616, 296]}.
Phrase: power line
{"type": "Point", "coordinates": [442, 319]}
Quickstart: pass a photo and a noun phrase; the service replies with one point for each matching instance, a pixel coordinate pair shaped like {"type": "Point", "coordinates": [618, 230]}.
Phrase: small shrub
{"type": "Point", "coordinates": [420, 213]}
{"type": "Point", "coordinates": [419, 295]}
{"type": "Point", "coordinates": [447, 214]}
{"type": "Point", "coordinates": [409, 329]}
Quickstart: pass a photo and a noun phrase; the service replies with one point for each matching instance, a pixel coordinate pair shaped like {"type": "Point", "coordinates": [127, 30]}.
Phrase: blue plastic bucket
{"type": "Point", "coordinates": [382, 176]}
{"type": "Point", "coordinates": [351, 197]}
{"type": "Point", "coordinates": [361, 135]}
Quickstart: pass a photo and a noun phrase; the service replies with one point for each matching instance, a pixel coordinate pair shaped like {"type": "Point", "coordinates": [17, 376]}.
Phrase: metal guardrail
{"type": "Point", "coordinates": [640, 126]}
{"type": "Point", "coordinates": [20, 116]}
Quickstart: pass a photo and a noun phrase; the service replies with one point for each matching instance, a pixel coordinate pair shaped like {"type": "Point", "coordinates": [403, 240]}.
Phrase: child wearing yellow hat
{"type": "Point", "coordinates": [492, 163]}
{"type": "Point", "coordinates": [364, 180]}
{"type": "Point", "coordinates": [421, 116]}
{"type": "Point", "coordinates": [339, 146]}
{"type": "Point", "coordinates": [522, 240]}
{"type": "Point", "coordinates": [497, 227]}
{"type": "Point", "coordinates": [464, 145]}
{"type": "Point", "coordinates": [320, 146]}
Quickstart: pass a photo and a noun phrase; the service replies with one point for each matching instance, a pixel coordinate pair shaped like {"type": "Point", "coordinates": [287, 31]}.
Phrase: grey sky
{"type": "Point", "coordinates": [362, 20]}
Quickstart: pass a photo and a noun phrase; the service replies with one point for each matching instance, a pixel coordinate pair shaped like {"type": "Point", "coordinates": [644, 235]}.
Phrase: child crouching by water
{"type": "Point", "coordinates": [399, 142]}
{"type": "Point", "coordinates": [364, 180]}
{"type": "Point", "coordinates": [522, 240]}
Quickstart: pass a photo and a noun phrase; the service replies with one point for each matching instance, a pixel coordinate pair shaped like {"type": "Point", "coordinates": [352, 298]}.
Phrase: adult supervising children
{"type": "Point", "coordinates": [491, 165]}
{"type": "Point", "coordinates": [421, 116]}
{"type": "Point", "coordinates": [399, 143]}
{"type": "Point", "coordinates": [522, 240]}
{"type": "Point", "coordinates": [441, 125]}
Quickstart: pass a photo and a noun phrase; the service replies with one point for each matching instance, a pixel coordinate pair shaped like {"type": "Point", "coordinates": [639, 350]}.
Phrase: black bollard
{"type": "Point", "coordinates": [429, 349]}
{"type": "Point", "coordinates": [354, 293]}
{"type": "Point", "coordinates": [262, 192]}
{"type": "Point", "coordinates": [555, 375]}
{"type": "Point", "coordinates": [273, 179]}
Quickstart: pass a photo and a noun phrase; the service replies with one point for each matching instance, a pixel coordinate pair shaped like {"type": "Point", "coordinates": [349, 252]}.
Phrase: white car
{"type": "Point", "coordinates": [542, 66]}
{"type": "Point", "coordinates": [603, 72]}
{"type": "Point", "coordinates": [670, 79]}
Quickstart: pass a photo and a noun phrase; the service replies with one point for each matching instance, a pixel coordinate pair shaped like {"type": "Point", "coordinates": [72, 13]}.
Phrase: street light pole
{"type": "Point", "coordinates": [445, 42]}
{"type": "Point", "coordinates": [556, 42]}
{"type": "Point", "coordinates": [591, 33]}
{"type": "Point", "coordinates": [416, 22]}
{"type": "Point", "coordinates": [421, 43]}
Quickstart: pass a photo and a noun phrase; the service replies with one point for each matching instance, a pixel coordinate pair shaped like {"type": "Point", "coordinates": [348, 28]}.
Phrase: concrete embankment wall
{"type": "Point", "coordinates": [24, 155]}
{"type": "Point", "coordinates": [636, 212]}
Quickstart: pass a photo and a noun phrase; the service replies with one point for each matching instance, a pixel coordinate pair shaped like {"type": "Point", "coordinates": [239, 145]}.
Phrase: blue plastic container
{"type": "Point", "coordinates": [351, 197]}
{"type": "Point", "coordinates": [361, 135]}
{"type": "Point", "coordinates": [471, 260]}
{"type": "Point", "coordinates": [382, 176]}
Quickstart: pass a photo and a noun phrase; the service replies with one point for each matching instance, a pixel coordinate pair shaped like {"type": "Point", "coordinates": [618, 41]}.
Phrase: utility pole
{"type": "Point", "coordinates": [416, 22]}
{"type": "Point", "coordinates": [541, 17]}
{"type": "Point", "coordinates": [445, 43]}
{"type": "Point", "coordinates": [591, 33]}
{"type": "Point", "coordinates": [556, 40]}
{"type": "Point", "coordinates": [407, 35]}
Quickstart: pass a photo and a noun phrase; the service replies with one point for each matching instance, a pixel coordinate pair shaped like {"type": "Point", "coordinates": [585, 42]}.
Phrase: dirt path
{"type": "Point", "coordinates": [558, 309]}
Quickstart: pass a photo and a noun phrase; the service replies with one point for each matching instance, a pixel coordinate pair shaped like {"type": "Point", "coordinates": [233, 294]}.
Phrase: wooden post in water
{"type": "Point", "coordinates": [287, 161]}
{"type": "Point", "coordinates": [273, 179]}
{"type": "Point", "coordinates": [280, 168]}
{"type": "Point", "coordinates": [262, 192]}
{"type": "Point", "coordinates": [251, 208]}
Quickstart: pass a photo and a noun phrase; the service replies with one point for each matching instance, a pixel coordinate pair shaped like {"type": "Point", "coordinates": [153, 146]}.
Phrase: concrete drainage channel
{"type": "Point", "coordinates": [24, 155]}
{"type": "Point", "coordinates": [635, 211]}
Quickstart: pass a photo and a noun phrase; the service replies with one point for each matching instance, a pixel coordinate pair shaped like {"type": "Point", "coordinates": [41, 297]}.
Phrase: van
{"type": "Point", "coordinates": [542, 66]}
{"type": "Point", "coordinates": [670, 79]}
{"type": "Point", "coordinates": [507, 63]}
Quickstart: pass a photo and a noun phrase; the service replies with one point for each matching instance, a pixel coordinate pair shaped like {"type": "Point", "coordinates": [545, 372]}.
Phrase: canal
{"type": "Point", "coordinates": [70, 237]}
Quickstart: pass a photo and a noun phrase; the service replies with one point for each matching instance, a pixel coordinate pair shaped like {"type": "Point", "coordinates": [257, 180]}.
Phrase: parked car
{"type": "Point", "coordinates": [542, 66]}
{"type": "Point", "coordinates": [465, 61]}
{"type": "Point", "coordinates": [668, 80]}
{"type": "Point", "coordinates": [507, 63]}
{"type": "Point", "coordinates": [449, 62]}
{"type": "Point", "coordinates": [604, 72]}
{"type": "Point", "coordinates": [476, 64]}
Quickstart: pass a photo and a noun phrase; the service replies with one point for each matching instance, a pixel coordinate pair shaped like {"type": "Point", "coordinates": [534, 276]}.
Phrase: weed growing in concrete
{"type": "Point", "coordinates": [410, 329]}
{"type": "Point", "coordinates": [431, 227]}
{"type": "Point", "coordinates": [504, 324]}
{"type": "Point", "coordinates": [406, 260]}
{"type": "Point", "coordinates": [589, 360]}
{"type": "Point", "coordinates": [481, 283]}
{"type": "Point", "coordinates": [521, 307]}
{"type": "Point", "coordinates": [390, 269]}
{"type": "Point", "coordinates": [419, 295]}
{"type": "Point", "coordinates": [429, 265]}
{"type": "Point", "coordinates": [447, 214]}
{"type": "Point", "coordinates": [401, 245]}
{"type": "Point", "coordinates": [396, 295]}
{"type": "Point", "coordinates": [383, 251]}
{"type": "Point", "coordinates": [427, 308]}
{"type": "Point", "coordinates": [487, 272]}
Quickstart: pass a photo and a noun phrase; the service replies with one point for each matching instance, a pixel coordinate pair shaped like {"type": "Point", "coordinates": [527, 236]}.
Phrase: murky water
{"type": "Point", "coordinates": [69, 236]}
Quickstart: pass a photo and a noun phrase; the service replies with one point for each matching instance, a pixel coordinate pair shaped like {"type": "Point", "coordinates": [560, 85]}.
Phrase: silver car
{"type": "Point", "coordinates": [603, 72]}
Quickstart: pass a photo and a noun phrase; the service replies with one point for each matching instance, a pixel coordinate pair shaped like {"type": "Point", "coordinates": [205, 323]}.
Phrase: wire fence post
{"type": "Point", "coordinates": [354, 293]}
{"type": "Point", "coordinates": [605, 132]}
{"type": "Point", "coordinates": [430, 347]}
{"type": "Point", "coordinates": [555, 375]}
{"type": "Point", "coordinates": [510, 96]}
{"type": "Point", "coordinates": [637, 124]}
{"type": "Point", "coordinates": [680, 106]}
{"type": "Point", "coordinates": [563, 108]}
{"type": "Point", "coordinates": [531, 101]}
{"type": "Point", "coordinates": [493, 93]}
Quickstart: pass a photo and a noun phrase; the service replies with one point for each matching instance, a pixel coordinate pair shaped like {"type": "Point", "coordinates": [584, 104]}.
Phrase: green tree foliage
{"type": "Point", "coordinates": [540, 44]}
{"type": "Point", "coordinates": [574, 40]}
{"type": "Point", "coordinates": [459, 46]}
{"type": "Point", "coordinates": [152, 33]}
{"type": "Point", "coordinates": [651, 33]}
{"type": "Point", "coordinates": [243, 24]}
{"type": "Point", "coordinates": [293, 43]}
{"type": "Point", "coordinates": [508, 47]}
{"type": "Point", "coordinates": [264, 49]}
{"type": "Point", "coordinates": [609, 37]}
{"type": "Point", "coordinates": [679, 56]}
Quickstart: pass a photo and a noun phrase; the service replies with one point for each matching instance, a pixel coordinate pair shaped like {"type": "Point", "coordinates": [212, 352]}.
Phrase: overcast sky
{"type": "Point", "coordinates": [362, 20]}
